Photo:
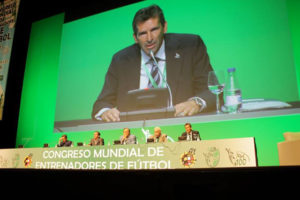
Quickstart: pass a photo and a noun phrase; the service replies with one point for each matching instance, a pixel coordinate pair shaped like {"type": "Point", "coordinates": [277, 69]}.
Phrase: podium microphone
{"type": "Point", "coordinates": [169, 89]}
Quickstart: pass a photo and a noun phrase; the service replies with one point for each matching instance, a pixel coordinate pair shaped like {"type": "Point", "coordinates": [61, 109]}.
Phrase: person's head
{"type": "Point", "coordinates": [157, 132]}
{"type": "Point", "coordinates": [96, 134]}
{"type": "Point", "coordinates": [126, 132]}
{"type": "Point", "coordinates": [64, 138]}
{"type": "Point", "coordinates": [149, 26]}
{"type": "Point", "coordinates": [188, 127]}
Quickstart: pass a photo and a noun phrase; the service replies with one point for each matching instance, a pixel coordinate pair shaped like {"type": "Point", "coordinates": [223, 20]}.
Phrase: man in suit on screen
{"type": "Point", "coordinates": [182, 60]}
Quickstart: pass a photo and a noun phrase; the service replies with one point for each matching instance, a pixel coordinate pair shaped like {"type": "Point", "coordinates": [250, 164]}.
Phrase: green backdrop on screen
{"type": "Point", "coordinates": [253, 36]}
{"type": "Point", "coordinates": [293, 7]}
{"type": "Point", "coordinates": [37, 109]}
{"type": "Point", "coordinates": [49, 44]}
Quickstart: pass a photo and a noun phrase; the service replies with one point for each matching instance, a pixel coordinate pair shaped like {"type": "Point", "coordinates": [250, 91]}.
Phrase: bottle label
{"type": "Point", "coordinates": [233, 100]}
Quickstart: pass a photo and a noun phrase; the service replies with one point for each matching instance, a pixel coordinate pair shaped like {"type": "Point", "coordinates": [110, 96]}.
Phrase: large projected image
{"type": "Point", "coordinates": [140, 63]}
{"type": "Point", "coordinates": [105, 74]}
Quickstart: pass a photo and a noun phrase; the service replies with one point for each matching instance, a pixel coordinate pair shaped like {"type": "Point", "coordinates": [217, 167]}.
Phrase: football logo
{"type": "Point", "coordinates": [187, 159]}
{"type": "Point", "coordinates": [28, 160]}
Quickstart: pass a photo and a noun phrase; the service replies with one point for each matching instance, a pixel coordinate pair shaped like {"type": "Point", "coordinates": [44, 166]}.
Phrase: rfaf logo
{"type": "Point", "coordinates": [187, 159]}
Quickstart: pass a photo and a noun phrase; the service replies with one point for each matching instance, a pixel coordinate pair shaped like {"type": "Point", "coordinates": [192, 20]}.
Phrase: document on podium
{"type": "Point", "coordinates": [259, 104]}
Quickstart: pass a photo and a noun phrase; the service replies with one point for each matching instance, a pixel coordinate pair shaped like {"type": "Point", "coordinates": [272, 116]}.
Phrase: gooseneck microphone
{"type": "Point", "coordinates": [164, 78]}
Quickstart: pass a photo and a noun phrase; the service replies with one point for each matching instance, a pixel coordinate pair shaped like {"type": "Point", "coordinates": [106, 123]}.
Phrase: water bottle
{"type": "Point", "coordinates": [232, 93]}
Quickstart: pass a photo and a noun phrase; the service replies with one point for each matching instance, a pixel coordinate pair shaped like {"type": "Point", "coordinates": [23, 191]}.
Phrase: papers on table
{"type": "Point", "coordinates": [259, 104]}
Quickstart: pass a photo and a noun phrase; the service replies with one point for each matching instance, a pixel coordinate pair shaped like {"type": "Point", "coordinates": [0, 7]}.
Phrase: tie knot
{"type": "Point", "coordinates": [151, 61]}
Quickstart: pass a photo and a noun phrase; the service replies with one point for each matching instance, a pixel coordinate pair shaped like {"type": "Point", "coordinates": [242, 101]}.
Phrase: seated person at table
{"type": "Point", "coordinates": [190, 134]}
{"type": "Point", "coordinates": [96, 140]}
{"type": "Point", "coordinates": [158, 136]}
{"type": "Point", "coordinates": [127, 138]}
{"type": "Point", "coordinates": [64, 142]}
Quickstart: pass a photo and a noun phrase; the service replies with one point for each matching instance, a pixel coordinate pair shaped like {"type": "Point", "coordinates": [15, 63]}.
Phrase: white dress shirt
{"type": "Point", "coordinates": [144, 79]}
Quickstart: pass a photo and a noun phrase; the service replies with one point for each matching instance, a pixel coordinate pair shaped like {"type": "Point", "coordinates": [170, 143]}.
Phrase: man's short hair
{"type": "Point", "coordinates": [157, 128]}
{"type": "Point", "coordinates": [98, 133]}
{"type": "Point", "coordinates": [188, 124]}
{"type": "Point", "coordinates": [126, 128]}
{"type": "Point", "coordinates": [144, 14]}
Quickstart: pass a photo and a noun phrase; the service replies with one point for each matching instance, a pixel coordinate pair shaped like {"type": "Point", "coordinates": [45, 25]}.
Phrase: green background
{"type": "Point", "coordinates": [251, 35]}
{"type": "Point", "coordinates": [66, 66]}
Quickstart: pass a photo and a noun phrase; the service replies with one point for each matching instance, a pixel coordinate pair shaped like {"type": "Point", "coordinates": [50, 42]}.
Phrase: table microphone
{"type": "Point", "coordinates": [169, 89]}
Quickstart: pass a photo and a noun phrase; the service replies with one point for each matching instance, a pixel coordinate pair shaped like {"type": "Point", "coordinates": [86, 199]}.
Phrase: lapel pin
{"type": "Point", "coordinates": [177, 55]}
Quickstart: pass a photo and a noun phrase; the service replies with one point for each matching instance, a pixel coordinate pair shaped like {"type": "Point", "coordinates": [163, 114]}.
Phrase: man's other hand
{"type": "Point", "coordinates": [111, 115]}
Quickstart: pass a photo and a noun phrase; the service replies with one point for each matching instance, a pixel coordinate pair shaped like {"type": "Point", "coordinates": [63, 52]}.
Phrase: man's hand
{"type": "Point", "coordinates": [111, 115]}
{"type": "Point", "coordinates": [164, 137]}
{"type": "Point", "coordinates": [60, 140]}
{"type": "Point", "coordinates": [186, 108]}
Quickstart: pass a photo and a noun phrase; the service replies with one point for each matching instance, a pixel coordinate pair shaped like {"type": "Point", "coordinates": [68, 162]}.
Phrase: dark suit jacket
{"type": "Point", "coordinates": [187, 73]}
{"type": "Point", "coordinates": [195, 135]}
{"type": "Point", "coordinates": [99, 141]}
{"type": "Point", "coordinates": [68, 143]}
{"type": "Point", "coordinates": [130, 140]}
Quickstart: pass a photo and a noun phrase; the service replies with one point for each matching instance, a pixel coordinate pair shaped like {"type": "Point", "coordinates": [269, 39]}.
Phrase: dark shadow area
{"type": "Point", "coordinates": [238, 183]}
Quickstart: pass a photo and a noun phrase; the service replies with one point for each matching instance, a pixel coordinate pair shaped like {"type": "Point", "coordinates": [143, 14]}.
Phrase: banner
{"type": "Point", "coordinates": [8, 18]}
{"type": "Point", "coordinates": [238, 152]}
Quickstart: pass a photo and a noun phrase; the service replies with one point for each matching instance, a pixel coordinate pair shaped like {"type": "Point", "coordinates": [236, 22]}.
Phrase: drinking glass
{"type": "Point", "coordinates": [216, 83]}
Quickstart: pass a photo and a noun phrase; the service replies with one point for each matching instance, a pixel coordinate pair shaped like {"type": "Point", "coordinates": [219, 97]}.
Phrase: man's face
{"type": "Point", "coordinates": [188, 128]}
{"type": "Point", "coordinates": [157, 132]}
{"type": "Point", "coordinates": [64, 138]}
{"type": "Point", "coordinates": [96, 135]}
{"type": "Point", "coordinates": [126, 132]}
{"type": "Point", "coordinates": [150, 35]}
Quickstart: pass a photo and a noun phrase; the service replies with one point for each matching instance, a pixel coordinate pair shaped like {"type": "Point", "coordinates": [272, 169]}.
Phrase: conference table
{"type": "Point", "coordinates": [90, 125]}
{"type": "Point", "coordinates": [266, 126]}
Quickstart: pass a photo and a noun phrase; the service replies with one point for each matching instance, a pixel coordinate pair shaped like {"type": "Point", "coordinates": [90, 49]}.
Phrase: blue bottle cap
{"type": "Point", "coordinates": [231, 69]}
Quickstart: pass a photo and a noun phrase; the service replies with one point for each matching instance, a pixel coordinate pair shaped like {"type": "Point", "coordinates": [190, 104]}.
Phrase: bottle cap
{"type": "Point", "coordinates": [231, 69]}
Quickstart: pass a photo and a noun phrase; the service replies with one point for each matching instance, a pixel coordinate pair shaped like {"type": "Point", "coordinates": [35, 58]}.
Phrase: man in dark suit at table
{"type": "Point", "coordinates": [182, 60]}
{"type": "Point", "coordinates": [64, 142]}
{"type": "Point", "coordinates": [96, 140]}
{"type": "Point", "coordinates": [189, 134]}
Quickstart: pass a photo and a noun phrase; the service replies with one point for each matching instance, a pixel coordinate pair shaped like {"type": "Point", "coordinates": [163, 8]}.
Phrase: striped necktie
{"type": "Point", "coordinates": [154, 73]}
